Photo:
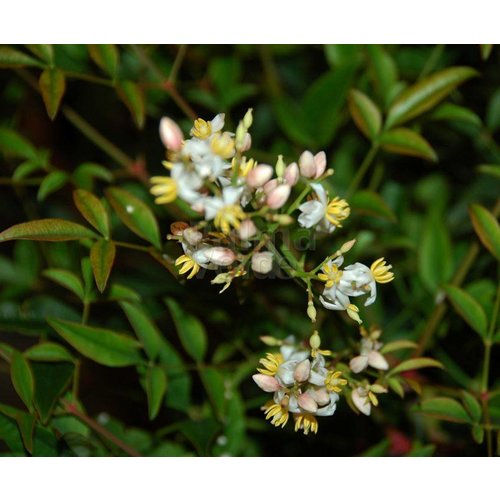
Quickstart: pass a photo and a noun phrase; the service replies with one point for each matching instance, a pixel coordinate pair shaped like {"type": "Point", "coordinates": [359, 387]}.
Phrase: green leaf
{"type": "Point", "coordinates": [102, 346]}
{"type": "Point", "coordinates": [106, 57]}
{"type": "Point", "coordinates": [51, 380]}
{"type": "Point", "coordinates": [84, 175]}
{"type": "Point", "coordinates": [131, 94]}
{"type": "Point", "coordinates": [384, 72]}
{"type": "Point", "coordinates": [213, 381]}
{"type": "Point", "coordinates": [43, 51]}
{"type": "Point", "coordinates": [470, 310]}
{"type": "Point", "coordinates": [22, 378]}
{"type": "Point", "coordinates": [135, 214]}
{"type": "Point", "coordinates": [47, 230]}
{"type": "Point", "coordinates": [146, 330]}
{"type": "Point", "coordinates": [48, 351]}
{"type": "Point", "coordinates": [190, 331]}
{"type": "Point", "coordinates": [415, 364]}
{"type": "Point", "coordinates": [406, 142]}
{"type": "Point", "coordinates": [13, 144]}
{"type": "Point", "coordinates": [102, 257]}
{"type": "Point", "coordinates": [289, 117]}
{"type": "Point", "coordinates": [44, 442]}
{"type": "Point", "coordinates": [365, 114]}
{"type": "Point", "coordinates": [493, 170]}
{"type": "Point", "coordinates": [487, 228]}
{"type": "Point", "coordinates": [396, 386]}
{"type": "Point", "coordinates": [371, 203]}
{"type": "Point", "coordinates": [478, 433]}
{"type": "Point", "coordinates": [88, 277]}
{"type": "Point", "coordinates": [52, 86]}
{"type": "Point", "coordinates": [67, 279]}
{"type": "Point", "coordinates": [156, 387]}
{"type": "Point", "coordinates": [10, 434]}
{"type": "Point", "coordinates": [472, 406]}
{"type": "Point", "coordinates": [12, 58]}
{"type": "Point", "coordinates": [435, 259]}
{"type": "Point", "coordinates": [26, 424]}
{"type": "Point", "coordinates": [454, 113]}
{"type": "Point", "coordinates": [93, 210]}
{"type": "Point", "coordinates": [53, 182]}
{"type": "Point", "coordinates": [121, 292]}
{"type": "Point", "coordinates": [396, 345]}
{"type": "Point", "coordinates": [425, 94]}
{"type": "Point", "coordinates": [485, 50]}
{"type": "Point", "coordinates": [25, 169]}
{"type": "Point", "coordinates": [444, 409]}
{"type": "Point", "coordinates": [379, 450]}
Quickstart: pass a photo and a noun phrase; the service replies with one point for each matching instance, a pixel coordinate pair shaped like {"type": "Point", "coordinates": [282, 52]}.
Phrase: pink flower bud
{"type": "Point", "coordinates": [247, 143]}
{"type": "Point", "coordinates": [221, 256]}
{"type": "Point", "coordinates": [321, 396]}
{"type": "Point", "coordinates": [259, 175]}
{"type": "Point", "coordinates": [291, 174]}
{"type": "Point", "coordinates": [247, 229]}
{"type": "Point", "coordinates": [192, 236]}
{"type": "Point", "coordinates": [302, 371]}
{"type": "Point", "coordinates": [269, 186]}
{"type": "Point", "coordinates": [307, 402]}
{"type": "Point", "coordinates": [266, 382]}
{"type": "Point", "coordinates": [170, 134]}
{"type": "Point", "coordinates": [307, 165]}
{"type": "Point", "coordinates": [262, 262]}
{"type": "Point", "coordinates": [278, 196]}
{"type": "Point", "coordinates": [320, 162]}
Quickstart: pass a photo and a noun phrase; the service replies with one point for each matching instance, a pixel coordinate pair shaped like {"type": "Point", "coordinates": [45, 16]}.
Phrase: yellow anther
{"type": "Point", "coordinates": [337, 210]}
{"type": "Point", "coordinates": [381, 271]}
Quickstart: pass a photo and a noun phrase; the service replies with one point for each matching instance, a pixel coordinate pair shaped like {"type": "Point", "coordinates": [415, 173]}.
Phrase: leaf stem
{"type": "Point", "coordinates": [360, 174]}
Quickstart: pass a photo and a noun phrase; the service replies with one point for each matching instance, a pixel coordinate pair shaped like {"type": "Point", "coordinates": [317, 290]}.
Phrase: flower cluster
{"type": "Point", "coordinates": [242, 203]}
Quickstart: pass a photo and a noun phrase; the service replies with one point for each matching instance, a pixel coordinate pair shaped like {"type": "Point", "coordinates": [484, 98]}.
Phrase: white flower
{"type": "Point", "coordinates": [321, 213]}
{"type": "Point", "coordinates": [225, 210]}
{"type": "Point", "coordinates": [369, 356]}
{"type": "Point", "coordinates": [364, 397]}
{"type": "Point", "coordinates": [188, 183]}
{"type": "Point", "coordinates": [335, 300]}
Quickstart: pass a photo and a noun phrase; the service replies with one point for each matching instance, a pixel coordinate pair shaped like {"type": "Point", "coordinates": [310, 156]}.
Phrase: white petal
{"type": "Point", "coordinates": [376, 360]}
{"type": "Point", "coordinates": [218, 122]}
{"type": "Point", "coordinates": [362, 403]}
{"type": "Point", "coordinates": [358, 364]}
{"type": "Point", "coordinates": [266, 382]}
{"type": "Point", "coordinates": [320, 193]}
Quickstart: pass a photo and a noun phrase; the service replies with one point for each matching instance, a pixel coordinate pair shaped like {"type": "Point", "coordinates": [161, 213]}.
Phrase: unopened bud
{"type": "Point", "coordinates": [239, 138]}
{"type": "Point", "coordinates": [280, 166]}
{"type": "Point", "coordinates": [170, 134]}
{"type": "Point", "coordinates": [247, 143]}
{"type": "Point", "coordinates": [259, 175]}
{"type": "Point", "coordinates": [221, 256]}
{"type": "Point", "coordinates": [247, 229]}
{"type": "Point", "coordinates": [307, 402]}
{"type": "Point", "coordinates": [314, 340]}
{"type": "Point", "coordinates": [347, 246]}
{"type": "Point", "coordinates": [307, 165]}
{"type": "Point", "coordinates": [302, 371]}
{"type": "Point", "coordinates": [278, 196]}
{"type": "Point", "coordinates": [248, 119]}
{"type": "Point", "coordinates": [282, 219]}
{"type": "Point", "coordinates": [311, 311]}
{"type": "Point", "coordinates": [271, 341]}
{"type": "Point", "coordinates": [177, 228]}
{"type": "Point", "coordinates": [262, 262]}
{"type": "Point", "coordinates": [291, 174]}
{"type": "Point", "coordinates": [320, 163]}
{"type": "Point", "coordinates": [266, 382]}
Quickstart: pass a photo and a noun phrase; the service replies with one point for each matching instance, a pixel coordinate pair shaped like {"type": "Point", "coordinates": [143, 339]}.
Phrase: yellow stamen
{"type": "Point", "coordinates": [307, 423]}
{"type": "Point", "coordinates": [337, 210]}
{"type": "Point", "coordinates": [278, 413]}
{"type": "Point", "coordinates": [201, 129]}
{"type": "Point", "coordinates": [271, 364]}
{"type": "Point", "coordinates": [168, 165]}
{"type": "Point", "coordinates": [381, 271]}
{"type": "Point", "coordinates": [331, 274]}
{"type": "Point", "coordinates": [246, 166]}
{"type": "Point", "coordinates": [222, 145]}
{"type": "Point", "coordinates": [165, 188]}
{"type": "Point", "coordinates": [333, 381]}
{"type": "Point", "coordinates": [229, 216]}
{"type": "Point", "coordinates": [373, 398]}
{"type": "Point", "coordinates": [187, 263]}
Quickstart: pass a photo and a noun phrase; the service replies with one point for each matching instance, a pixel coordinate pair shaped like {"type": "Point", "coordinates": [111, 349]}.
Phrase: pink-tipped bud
{"type": "Point", "coordinates": [192, 236]}
{"type": "Point", "coordinates": [321, 396]}
{"type": "Point", "coordinates": [320, 162]}
{"type": "Point", "coordinates": [302, 371]}
{"type": "Point", "coordinates": [247, 142]}
{"type": "Point", "coordinates": [269, 186]}
{"type": "Point", "coordinates": [259, 175]}
{"type": "Point", "coordinates": [247, 229]}
{"type": "Point", "coordinates": [307, 164]}
{"type": "Point", "coordinates": [291, 174]}
{"type": "Point", "coordinates": [307, 402]}
{"type": "Point", "coordinates": [278, 196]}
{"type": "Point", "coordinates": [262, 262]}
{"type": "Point", "coordinates": [266, 382]}
{"type": "Point", "coordinates": [170, 134]}
{"type": "Point", "coordinates": [221, 256]}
